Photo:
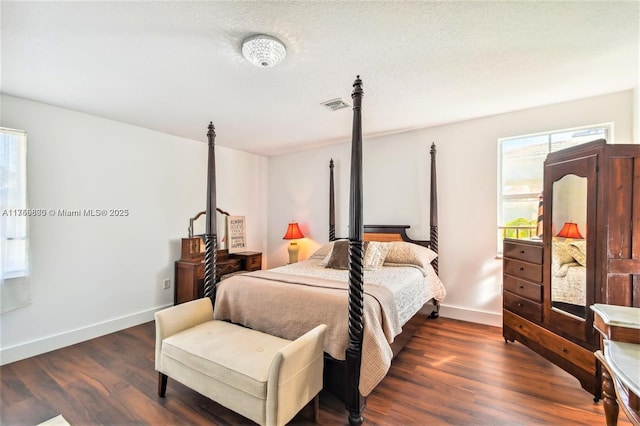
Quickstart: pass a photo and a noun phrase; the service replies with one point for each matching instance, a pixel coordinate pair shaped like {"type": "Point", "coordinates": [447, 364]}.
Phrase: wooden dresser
{"type": "Point", "coordinates": [189, 273]}
{"type": "Point", "coordinates": [522, 281]}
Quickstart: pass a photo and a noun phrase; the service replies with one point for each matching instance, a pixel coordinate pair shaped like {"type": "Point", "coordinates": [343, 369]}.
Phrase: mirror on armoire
{"type": "Point", "coordinates": [569, 246]}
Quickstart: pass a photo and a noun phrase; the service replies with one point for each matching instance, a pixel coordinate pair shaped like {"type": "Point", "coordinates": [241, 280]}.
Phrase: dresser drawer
{"type": "Point", "coordinates": [253, 262]}
{"type": "Point", "coordinates": [526, 270]}
{"type": "Point", "coordinates": [563, 348]}
{"type": "Point", "coordinates": [228, 266]}
{"type": "Point", "coordinates": [523, 288]}
{"type": "Point", "coordinates": [523, 307]}
{"type": "Point", "coordinates": [522, 251]}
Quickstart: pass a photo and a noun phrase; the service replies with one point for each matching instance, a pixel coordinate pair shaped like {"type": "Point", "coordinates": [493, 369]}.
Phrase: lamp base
{"type": "Point", "coordinates": [293, 252]}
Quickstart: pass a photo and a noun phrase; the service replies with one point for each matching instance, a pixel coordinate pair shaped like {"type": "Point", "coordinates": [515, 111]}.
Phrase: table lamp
{"type": "Point", "coordinates": [293, 233]}
{"type": "Point", "coordinates": [570, 230]}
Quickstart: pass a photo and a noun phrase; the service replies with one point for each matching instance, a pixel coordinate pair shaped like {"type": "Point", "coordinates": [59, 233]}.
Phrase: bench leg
{"type": "Point", "coordinates": [162, 384]}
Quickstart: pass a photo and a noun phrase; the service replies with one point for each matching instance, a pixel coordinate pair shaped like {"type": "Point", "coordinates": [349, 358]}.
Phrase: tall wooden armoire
{"type": "Point", "coordinates": [591, 254]}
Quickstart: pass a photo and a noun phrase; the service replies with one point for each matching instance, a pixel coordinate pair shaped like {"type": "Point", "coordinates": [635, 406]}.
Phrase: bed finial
{"type": "Point", "coordinates": [357, 87]}
{"type": "Point", "coordinates": [211, 134]}
{"type": "Point", "coordinates": [210, 236]}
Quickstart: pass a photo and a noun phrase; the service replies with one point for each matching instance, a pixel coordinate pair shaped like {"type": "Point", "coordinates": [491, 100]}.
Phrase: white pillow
{"type": "Point", "coordinates": [403, 253]}
{"type": "Point", "coordinates": [560, 255]}
{"type": "Point", "coordinates": [578, 250]}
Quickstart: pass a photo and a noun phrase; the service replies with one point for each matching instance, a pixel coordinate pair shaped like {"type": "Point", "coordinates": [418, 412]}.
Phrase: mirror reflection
{"type": "Point", "coordinates": [569, 246]}
{"type": "Point", "coordinates": [197, 227]}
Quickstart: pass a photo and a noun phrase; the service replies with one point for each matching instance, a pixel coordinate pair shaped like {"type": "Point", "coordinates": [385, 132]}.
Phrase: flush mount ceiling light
{"type": "Point", "coordinates": [263, 51]}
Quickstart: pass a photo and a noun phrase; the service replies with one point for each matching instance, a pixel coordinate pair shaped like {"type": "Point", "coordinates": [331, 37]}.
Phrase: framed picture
{"type": "Point", "coordinates": [236, 234]}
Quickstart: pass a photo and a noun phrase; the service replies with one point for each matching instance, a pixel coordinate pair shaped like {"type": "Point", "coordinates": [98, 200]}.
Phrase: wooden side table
{"type": "Point", "coordinates": [250, 260]}
{"type": "Point", "coordinates": [619, 353]}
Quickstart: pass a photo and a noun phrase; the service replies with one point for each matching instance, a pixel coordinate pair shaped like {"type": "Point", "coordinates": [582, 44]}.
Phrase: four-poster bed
{"type": "Point", "coordinates": [371, 311]}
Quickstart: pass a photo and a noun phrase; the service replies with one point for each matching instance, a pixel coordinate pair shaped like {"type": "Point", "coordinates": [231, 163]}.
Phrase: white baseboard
{"type": "Point", "coordinates": [465, 314]}
{"type": "Point", "coordinates": [51, 343]}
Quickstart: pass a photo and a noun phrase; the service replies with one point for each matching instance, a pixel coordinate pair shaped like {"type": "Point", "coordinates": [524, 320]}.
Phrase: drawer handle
{"type": "Point", "coordinates": [521, 287]}
{"type": "Point", "coordinates": [521, 269]}
{"type": "Point", "coordinates": [519, 325]}
{"type": "Point", "coordinates": [520, 305]}
{"type": "Point", "coordinates": [521, 251]}
{"type": "Point", "coordinates": [563, 350]}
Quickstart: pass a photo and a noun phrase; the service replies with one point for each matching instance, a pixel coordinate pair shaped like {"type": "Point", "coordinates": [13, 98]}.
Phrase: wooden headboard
{"type": "Point", "coordinates": [386, 233]}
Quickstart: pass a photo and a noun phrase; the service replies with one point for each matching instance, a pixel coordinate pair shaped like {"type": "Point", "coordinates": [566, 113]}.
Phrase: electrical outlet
{"type": "Point", "coordinates": [166, 283]}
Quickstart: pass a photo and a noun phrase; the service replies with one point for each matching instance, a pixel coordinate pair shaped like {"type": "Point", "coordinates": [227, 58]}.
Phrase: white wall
{"type": "Point", "coordinates": [396, 191]}
{"type": "Point", "coordinates": [636, 113]}
{"type": "Point", "coordinates": [92, 276]}
{"type": "Point", "coordinates": [95, 275]}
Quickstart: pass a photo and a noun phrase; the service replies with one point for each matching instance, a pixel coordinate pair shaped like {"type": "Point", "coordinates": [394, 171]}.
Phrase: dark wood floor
{"type": "Point", "coordinates": [451, 372]}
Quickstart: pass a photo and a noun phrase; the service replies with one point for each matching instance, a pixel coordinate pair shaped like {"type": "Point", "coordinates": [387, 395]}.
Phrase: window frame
{"type": "Point", "coordinates": [21, 234]}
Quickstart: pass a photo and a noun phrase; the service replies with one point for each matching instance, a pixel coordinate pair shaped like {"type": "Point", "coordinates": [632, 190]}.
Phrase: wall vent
{"type": "Point", "coordinates": [336, 104]}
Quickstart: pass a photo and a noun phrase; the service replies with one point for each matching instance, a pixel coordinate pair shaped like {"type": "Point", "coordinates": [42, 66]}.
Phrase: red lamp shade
{"type": "Point", "coordinates": [293, 232]}
{"type": "Point", "coordinates": [570, 230]}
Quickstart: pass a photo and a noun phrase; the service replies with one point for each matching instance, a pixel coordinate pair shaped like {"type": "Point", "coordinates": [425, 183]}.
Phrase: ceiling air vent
{"type": "Point", "coordinates": [336, 104]}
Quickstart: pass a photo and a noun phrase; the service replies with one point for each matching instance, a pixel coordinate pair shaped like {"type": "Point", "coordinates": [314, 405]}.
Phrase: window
{"type": "Point", "coordinates": [13, 199]}
{"type": "Point", "coordinates": [520, 177]}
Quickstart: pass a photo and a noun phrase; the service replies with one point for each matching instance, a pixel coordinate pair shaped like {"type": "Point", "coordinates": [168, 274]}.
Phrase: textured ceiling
{"type": "Point", "coordinates": [175, 66]}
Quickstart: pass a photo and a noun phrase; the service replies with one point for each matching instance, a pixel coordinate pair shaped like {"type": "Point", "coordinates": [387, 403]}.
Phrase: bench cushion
{"type": "Point", "coordinates": [237, 356]}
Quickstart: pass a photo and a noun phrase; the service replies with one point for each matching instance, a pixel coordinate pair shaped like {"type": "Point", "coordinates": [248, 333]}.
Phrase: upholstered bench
{"type": "Point", "coordinates": [262, 377]}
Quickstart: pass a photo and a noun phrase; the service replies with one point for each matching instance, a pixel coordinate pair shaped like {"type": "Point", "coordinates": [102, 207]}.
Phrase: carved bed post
{"type": "Point", "coordinates": [332, 205]}
{"type": "Point", "coordinates": [356, 291]}
{"type": "Point", "coordinates": [210, 236]}
{"type": "Point", "coordinates": [433, 208]}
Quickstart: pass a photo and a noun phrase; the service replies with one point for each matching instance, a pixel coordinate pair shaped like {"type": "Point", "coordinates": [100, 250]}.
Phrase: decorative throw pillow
{"type": "Point", "coordinates": [577, 250]}
{"type": "Point", "coordinates": [559, 256]}
{"type": "Point", "coordinates": [325, 261]}
{"type": "Point", "coordinates": [375, 255]}
{"type": "Point", "coordinates": [405, 253]}
{"type": "Point", "coordinates": [339, 257]}
{"type": "Point", "coordinates": [323, 251]}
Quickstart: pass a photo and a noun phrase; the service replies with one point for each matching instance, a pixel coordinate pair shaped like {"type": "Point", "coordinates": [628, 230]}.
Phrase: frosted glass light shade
{"type": "Point", "coordinates": [263, 51]}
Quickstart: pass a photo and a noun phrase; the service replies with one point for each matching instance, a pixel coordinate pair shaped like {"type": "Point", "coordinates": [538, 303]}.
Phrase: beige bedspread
{"type": "Point", "coordinates": [289, 305]}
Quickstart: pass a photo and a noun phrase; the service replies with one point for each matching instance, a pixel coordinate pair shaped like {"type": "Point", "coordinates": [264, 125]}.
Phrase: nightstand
{"type": "Point", "coordinates": [250, 260]}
